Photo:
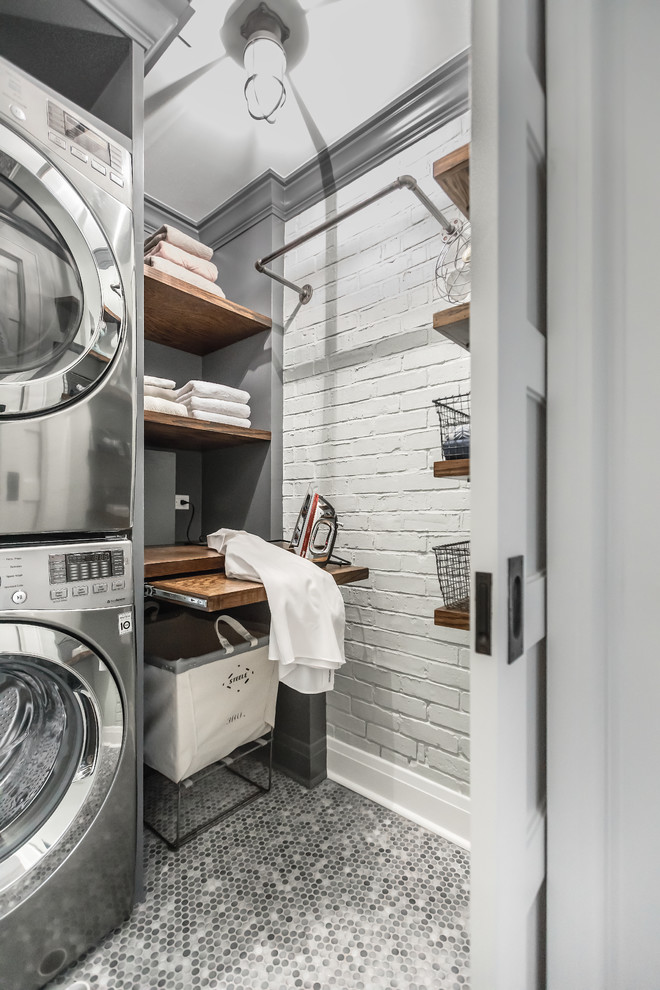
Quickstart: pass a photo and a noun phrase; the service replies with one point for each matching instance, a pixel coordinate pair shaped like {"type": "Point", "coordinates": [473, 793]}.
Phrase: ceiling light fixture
{"type": "Point", "coordinates": [265, 62]}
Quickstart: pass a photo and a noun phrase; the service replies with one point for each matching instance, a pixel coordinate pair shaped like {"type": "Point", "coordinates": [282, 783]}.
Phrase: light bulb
{"type": "Point", "coordinates": [265, 64]}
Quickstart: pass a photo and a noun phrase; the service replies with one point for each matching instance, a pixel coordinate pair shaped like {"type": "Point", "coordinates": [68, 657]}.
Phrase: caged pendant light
{"type": "Point", "coordinates": [265, 62]}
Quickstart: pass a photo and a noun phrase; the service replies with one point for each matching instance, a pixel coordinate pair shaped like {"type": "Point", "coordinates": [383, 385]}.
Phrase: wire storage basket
{"type": "Point", "coordinates": [453, 563]}
{"type": "Point", "coordinates": [454, 416]}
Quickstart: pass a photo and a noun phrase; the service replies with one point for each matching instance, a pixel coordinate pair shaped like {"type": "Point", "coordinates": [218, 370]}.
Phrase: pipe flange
{"type": "Point", "coordinates": [306, 293]}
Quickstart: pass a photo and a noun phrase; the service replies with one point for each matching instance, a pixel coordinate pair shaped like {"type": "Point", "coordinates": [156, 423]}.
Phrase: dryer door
{"type": "Point", "coordinates": [61, 733]}
{"type": "Point", "coordinates": [62, 315]}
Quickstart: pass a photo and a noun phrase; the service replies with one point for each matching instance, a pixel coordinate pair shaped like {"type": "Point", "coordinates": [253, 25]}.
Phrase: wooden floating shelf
{"type": "Point", "coordinates": [459, 468]}
{"type": "Point", "coordinates": [452, 173]}
{"type": "Point", "coordinates": [168, 561]}
{"type": "Point", "coordinates": [214, 592]}
{"type": "Point", "coordinates": [191, 319]}
{"type": "Point", "coordinates": [186, 433]}
{"type": "Point", "coordinates": [452, 618]}
{"type": "Point", "coordinates": [455, 324]}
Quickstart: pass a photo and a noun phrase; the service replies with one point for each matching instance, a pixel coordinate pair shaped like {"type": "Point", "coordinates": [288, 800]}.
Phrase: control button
{"type": "Point", "coordinates": [59, 595]}
{"type": "Point", "coordinates": [82, 589]}
{"type": "Point", "coordinates": [98, 588]}
{"type": "Point", "coordinates": [19, 114]}
{"type": "Point", "coordinates": [118, 585]}
{"type": "Point", "coordinates": [19, 597]}
{"type": "Point", "coordinates": [98, 166]}
{"type": "Point", "coordinates": [77, 153]}
{"type": "Point", "coordinates": [56, 139]}
{"type": "Point", "coordinates": [117, 179]}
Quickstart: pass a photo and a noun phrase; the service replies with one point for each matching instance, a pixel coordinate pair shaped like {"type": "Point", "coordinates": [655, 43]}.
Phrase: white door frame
{"type": "Point", "coordinates": [603, 79]}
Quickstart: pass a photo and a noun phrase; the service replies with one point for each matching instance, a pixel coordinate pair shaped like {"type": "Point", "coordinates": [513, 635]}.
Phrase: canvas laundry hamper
{"type": "Point", "coordinates": [204, 695]}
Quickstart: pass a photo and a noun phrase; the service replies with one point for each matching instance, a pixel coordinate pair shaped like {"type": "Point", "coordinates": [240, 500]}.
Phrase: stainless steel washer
{"type": "Point", "coordinates": [67, 321]}
{"type": "Point", "coordinates": [67, 754]}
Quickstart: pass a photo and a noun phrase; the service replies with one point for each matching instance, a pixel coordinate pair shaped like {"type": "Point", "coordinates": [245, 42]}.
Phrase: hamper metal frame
{"type": "Point", "coordinates": [227, 764]}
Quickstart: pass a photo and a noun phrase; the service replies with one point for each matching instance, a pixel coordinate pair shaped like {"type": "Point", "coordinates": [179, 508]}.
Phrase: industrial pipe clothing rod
{"type": "Point", "coordinates": [403, 182]}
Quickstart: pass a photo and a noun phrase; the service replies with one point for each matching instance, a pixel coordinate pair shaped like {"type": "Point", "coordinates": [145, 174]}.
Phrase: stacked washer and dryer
{"type": "Point", "coordinates": [67, 468]}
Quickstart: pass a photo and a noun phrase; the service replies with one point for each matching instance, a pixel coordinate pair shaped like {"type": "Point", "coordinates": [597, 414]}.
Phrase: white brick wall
{"type": "Point", "coordinates": [361, 367]}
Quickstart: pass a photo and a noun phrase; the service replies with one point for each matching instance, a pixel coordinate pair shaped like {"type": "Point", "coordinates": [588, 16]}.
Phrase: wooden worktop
{"type": "Point", "coordinates": [168, 561]}
{"type": "Point", "coordinates": [215, 591]}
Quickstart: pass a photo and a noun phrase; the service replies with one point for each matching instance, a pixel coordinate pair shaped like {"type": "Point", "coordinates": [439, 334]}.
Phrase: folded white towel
{"type": "Point", "coordinates": [159, 382]}
{"type": "Point", "coordinates": [175, 236]}
{"type": "Point", "coordinates": [217, 418]}
{"type": "Point", "coordinates": [212, 390]}
{"type": "Point", "coordinates": [306, 608]}
{"type": "Point", "coordinates": [170, 252]}
{"type": "Point", "coordinates": [164, 406]}
{"type": "Point", "coordinates": [219, 406]}
{"type": "Point", "coordinates": [176, 271]}
{"type": "Point", "coordinates": [159, 393]}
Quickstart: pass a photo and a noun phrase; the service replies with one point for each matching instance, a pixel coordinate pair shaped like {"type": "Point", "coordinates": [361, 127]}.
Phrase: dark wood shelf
{"type": "Point", "coordinates": [455, 324]}
{"type": "Point", "coordinates": [452, 618]}
{"type": "Point", "coordinates": [187, 433]}
{"type": "Point", "coordinates": [168, 561]}
{"type": "Point", "coordinates": [191, 319]}
{"type": "Point", "coordinates": [214, 592]}
{"type": "Point", "coordinates": [459, 468]}
{"type": "Point", "coordinates": [452, 173]}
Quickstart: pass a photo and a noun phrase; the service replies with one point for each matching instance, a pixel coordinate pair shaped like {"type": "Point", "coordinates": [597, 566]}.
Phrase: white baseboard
{"type": "Point", "coordinates": [424, 802]}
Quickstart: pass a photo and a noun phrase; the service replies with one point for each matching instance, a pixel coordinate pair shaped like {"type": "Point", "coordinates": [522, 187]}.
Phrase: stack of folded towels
{"type": "Point", "coordinates": [171, 251]}
{"type": "Point", "coordinates": [216, 403]}
{"type": "Point", "coordinates": [159, 396]}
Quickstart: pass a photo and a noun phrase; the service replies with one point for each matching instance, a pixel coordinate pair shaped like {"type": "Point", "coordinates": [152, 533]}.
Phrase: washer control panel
{"type": "Point", "coordinates": [70, 576]}
{"type": "Point", "coordinates": [65, 133]}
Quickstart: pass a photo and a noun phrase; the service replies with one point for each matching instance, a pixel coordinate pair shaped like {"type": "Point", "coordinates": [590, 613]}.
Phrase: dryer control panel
{"type": "Point", "coordinates": [65, 132]}
{"type": "Point", "coordinates": [66, 576]}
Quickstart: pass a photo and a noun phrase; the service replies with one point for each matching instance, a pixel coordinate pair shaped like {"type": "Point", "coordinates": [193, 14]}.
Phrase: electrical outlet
{"type": "Point", "coordinates": [181, 501]}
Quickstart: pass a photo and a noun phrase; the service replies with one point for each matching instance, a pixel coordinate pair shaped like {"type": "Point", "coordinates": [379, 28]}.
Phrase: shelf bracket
{"type": "Point", "coordinates": [306, 291]}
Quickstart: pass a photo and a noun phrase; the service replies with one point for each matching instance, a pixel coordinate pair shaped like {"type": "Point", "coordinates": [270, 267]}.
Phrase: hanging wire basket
{"type": "Point", "coordinates": [454, 416]}
{"type": "Point", "coordinates": [452, 270]}
{"type": "Point", "coordinates": [453, 563]}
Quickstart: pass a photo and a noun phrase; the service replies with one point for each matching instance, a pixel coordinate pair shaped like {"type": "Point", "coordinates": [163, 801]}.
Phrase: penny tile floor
{"type": "Point", "coordinates": [302, 889]}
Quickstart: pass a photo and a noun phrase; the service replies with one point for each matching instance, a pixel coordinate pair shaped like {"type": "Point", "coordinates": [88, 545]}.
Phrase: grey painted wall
{"type": "Point", "coordinates": [242, 485]}
{"type": "Point", "coordinates": [167, 362]}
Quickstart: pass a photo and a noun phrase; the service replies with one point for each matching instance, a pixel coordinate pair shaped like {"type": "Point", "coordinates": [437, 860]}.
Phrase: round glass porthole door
{"type": "Point", "coordinates": [61, 732]}
{"type": "Point", "coordinates": [42, 291]}
{"type": "Point", "coordinates": [62, 318]}
{"type": "Point", "coordinates": [42, 730]}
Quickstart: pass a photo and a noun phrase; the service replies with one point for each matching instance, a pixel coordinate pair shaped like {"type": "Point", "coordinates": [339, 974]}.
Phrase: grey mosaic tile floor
{"type": "Point", "coordinates": [301, 889]}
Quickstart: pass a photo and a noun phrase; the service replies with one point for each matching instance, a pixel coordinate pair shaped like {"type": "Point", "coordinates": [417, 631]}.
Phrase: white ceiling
{"type": "Point", "coordinates": [201, 146]}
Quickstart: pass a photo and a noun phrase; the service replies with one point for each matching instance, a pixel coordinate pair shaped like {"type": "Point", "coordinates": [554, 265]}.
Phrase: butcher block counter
{"type": "Point", "coordinates": [194, 576]}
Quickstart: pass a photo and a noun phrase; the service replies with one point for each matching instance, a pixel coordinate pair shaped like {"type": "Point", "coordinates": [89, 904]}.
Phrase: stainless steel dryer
{"type": "Point", "coordinates": [67, 754]}
{"type": "Point", "coordinates": [67, 320]}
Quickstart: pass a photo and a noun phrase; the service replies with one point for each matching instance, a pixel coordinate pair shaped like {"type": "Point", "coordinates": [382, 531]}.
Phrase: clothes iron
{"type": "Point", "coordinates": [316, 530]}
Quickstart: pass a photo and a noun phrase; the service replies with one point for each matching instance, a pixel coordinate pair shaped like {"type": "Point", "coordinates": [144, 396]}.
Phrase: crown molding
{"type": "Point", "coordinates": [264, 197]}
{"type": "Point", "coordinates": [437, 99]}
{"type": "Point", "coordinates": [157, 213]}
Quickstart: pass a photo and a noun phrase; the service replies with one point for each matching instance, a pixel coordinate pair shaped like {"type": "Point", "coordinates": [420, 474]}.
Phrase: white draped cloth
{"type": "Point", "coordinates": [306, 608]}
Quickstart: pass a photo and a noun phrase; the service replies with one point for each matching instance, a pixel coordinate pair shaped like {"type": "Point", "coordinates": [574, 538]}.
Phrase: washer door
{"type": "Point", "coordinates": [61, 732]}
{"type": "Point", "coordinates": [62, 316]}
